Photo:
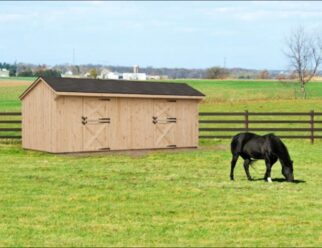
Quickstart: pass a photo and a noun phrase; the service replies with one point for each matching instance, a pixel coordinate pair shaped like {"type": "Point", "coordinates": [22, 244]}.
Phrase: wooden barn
{"type": "Point", "coordinates": [62, 115]}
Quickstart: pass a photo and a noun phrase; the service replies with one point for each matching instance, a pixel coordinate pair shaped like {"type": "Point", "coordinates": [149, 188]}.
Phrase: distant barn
{"type": "Point", "coordinates": [62, 115]}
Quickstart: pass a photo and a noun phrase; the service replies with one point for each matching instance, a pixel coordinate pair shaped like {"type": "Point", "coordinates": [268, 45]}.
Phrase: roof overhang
{"type": "Point", "coordinates": [127, 95]}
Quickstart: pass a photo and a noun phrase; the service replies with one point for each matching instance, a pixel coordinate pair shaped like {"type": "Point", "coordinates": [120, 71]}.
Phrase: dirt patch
{"type": "Point", "coordinates": [132, 153]}
{"type": "Point", "coordinates": [215, 148]}
{"type": "Point", "coordinates": [13, 83]}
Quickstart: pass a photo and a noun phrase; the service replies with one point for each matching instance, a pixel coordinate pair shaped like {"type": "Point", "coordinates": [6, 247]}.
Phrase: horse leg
{"type": "Point", "coordinates": [267, 176]}
{"type": "Point", "coordinates": [233, 164]}
{"type": "Point", "coordinates": [269, 164]}
{"type": "Point", "coordinates": [246, 167]}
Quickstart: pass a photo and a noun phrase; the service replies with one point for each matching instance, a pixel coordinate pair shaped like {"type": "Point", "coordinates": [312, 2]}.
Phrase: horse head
{"type": "Point", "coordinates": [287, 171]}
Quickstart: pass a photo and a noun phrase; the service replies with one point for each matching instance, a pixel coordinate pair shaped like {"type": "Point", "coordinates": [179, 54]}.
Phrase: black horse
{"type": "Point", "coordinates": [269, 147]}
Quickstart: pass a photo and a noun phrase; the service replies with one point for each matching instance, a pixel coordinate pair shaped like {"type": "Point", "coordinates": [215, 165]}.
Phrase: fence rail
{"type": "Point", "coordinates": [10, 126]}
{"type": "Point", "coordinates": [216, 132]}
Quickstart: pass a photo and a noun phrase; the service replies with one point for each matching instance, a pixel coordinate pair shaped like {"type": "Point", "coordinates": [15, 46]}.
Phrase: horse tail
{"type": "Point", "coordinates": [252, 162]}
{"type": "Point", "coordinates": [236, 144]}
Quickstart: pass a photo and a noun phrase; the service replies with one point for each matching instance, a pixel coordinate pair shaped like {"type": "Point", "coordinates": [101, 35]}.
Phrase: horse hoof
{"type": "Point", "coordinates": [269, 180]}
{"type": "Point", "coordinates": [250, 179]}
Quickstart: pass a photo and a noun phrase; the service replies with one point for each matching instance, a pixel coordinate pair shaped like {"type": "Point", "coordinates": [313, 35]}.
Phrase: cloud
{"type": "Point", "coordinates": [10, 17]}
{"type": "Point", "coordinates": [258, 10]}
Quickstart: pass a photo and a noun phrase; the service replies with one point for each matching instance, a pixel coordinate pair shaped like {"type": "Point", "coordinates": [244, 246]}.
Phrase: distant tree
{"type": "Point", "coordinates": [264, 74]}
{"type": "Point", "coordinates": [77, 69]}
{"type": "Point", "coordinates": [304, 52]}
{"type": "Point", "coordinates": [47, 73]}
{"type": "Point", "coordinates": [93, 73]}
{"type": "Point", "coordinates": [216, 73]}
{"type": "Point", "coordinates": [281, 77]}
{"type": "Point", "coordinates": [13, 70]}
{"type": "Point", "coordinates": [26, 73]}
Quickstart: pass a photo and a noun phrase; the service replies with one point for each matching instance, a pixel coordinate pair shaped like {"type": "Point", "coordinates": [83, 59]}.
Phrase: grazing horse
{"type": "Point", "coordinates": [269, 147]}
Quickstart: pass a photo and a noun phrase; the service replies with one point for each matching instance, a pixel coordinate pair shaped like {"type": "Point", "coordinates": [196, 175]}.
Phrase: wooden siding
{"type": "Point", "coordinates": [131, 124]}
{"type": "Point", "coordinates": [187, 123]}
{"type": "Point", "coordinates": [69, 137]}
{"type": "Point", "coordinates": [54, 123]}
{"type": "Point", "coordinates": [38, 110]}
{"type": "Point", "coordinates": [120, 124]}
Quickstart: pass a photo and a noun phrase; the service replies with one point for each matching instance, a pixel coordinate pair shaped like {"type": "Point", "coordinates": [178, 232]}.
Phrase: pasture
{"type": "Point", "coordinates": [165, 198]}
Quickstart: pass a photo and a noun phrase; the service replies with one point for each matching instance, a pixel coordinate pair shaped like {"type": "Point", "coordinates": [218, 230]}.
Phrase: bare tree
{"type": "Point", "coordinates": [304, 52]}
{"type": "Point", "coordinates": [217, 73]}
{"type": "Point", "coordinates": [264, 74]}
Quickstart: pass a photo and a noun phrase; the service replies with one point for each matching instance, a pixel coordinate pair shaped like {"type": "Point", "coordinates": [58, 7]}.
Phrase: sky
{"type": "Point", "coordinates": [247, 34]}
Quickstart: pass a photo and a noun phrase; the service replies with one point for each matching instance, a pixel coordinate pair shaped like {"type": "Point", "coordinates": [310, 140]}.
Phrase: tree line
{"type": "Point", "coordinates": [216, 72]}
{"type": "Point", "coordinates": [25, 70]}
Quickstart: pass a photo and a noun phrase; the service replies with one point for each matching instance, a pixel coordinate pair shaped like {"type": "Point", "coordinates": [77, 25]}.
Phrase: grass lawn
{"type": "Point", "coordinates": [164, 198]}
{"type": "Point", "coordinates": [157, 199]}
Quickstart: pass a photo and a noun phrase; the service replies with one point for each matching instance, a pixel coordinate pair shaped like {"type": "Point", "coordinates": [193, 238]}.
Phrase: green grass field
{"type": "Point", "coordinates": [165, 198]}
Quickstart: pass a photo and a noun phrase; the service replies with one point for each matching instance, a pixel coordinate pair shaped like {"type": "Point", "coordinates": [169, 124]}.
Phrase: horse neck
{"type": "Point", "coordinates": [283, 154]}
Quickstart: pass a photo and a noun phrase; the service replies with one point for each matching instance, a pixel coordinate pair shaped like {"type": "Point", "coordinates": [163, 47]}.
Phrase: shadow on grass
{"type": "Point", "coordinates": [280, 180]}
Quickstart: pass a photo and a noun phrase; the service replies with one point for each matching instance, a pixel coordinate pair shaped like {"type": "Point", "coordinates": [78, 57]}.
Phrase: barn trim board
{"type": "Point", "coordinates": [130, 116]}
{"type": "Point", "coordinates": [127, 95]}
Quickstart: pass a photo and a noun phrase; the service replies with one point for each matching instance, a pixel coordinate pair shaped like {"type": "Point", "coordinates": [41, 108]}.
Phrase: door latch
{"type": "Point", "coordinates": [84, 120]}
{"type": "Point", "coordinates": [155, 120]}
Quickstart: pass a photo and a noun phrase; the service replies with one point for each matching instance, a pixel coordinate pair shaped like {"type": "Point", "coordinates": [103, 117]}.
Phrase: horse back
{"type": "Point", "coordinates": [240, 140]}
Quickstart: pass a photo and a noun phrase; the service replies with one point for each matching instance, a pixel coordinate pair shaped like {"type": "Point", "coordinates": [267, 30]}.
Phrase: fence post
{"type": "Point", "coordinates": [246, 120]}
{"type": "Point", "coordinates": [312, 126]}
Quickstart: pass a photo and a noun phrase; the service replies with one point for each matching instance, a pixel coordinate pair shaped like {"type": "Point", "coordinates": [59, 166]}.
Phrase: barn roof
{"type": "Point", "coordinates": [116, 88]}
{"type": "Point", "coordinates": [120, 87]}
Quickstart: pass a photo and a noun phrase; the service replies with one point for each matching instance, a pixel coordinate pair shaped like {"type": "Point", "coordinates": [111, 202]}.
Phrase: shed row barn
{"type": "Point", "coordinates": [61, 115]}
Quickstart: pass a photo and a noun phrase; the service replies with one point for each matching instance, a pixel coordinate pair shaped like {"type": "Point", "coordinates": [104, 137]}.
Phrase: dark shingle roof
{"type": "Point", "coordinates": [120, 87]}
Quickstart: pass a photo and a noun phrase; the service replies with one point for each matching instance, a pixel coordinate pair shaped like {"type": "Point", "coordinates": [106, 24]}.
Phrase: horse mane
{"type": "Point", "coordinates": [279, 148]}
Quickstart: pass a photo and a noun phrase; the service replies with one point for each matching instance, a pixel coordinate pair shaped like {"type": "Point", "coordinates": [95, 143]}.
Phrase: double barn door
{"type": "Point", "coordinates": [100, 119]}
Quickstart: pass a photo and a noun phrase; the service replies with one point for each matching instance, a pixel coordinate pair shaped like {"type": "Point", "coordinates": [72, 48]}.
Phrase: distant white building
{"type": "Point", "coordinates": [67, 74]}
{"type": "Point", "coordinates": [104, 73]}
{"type": "Point", "coordinates": [114, 75]}
{"type": "Point", "coordinates": [153, 77]}
{"type": "Point", "coordinates": [107, 74]}
{"type": "Point", "coordinates": [87, 75]}
{"type": "Point", "coordinates": [4, 73]}
{"type": "Point", "coordinates": [134, 76]}
{"type": "Point", "coordinates": [135, 69]}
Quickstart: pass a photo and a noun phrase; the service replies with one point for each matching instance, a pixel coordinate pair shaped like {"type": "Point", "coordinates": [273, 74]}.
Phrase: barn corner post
{"type": "Point", "coordinates": [312, 126]}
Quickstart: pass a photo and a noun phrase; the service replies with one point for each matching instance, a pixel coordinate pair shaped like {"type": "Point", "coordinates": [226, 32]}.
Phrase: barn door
{"type": "Point", "coordinates": [95, 120]}
{"type": "Point", "coordinates": [164, 120]}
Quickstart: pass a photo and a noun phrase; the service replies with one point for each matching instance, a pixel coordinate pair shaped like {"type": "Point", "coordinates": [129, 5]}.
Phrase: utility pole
{"type": "Point", "coordinates": [73, 56]}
